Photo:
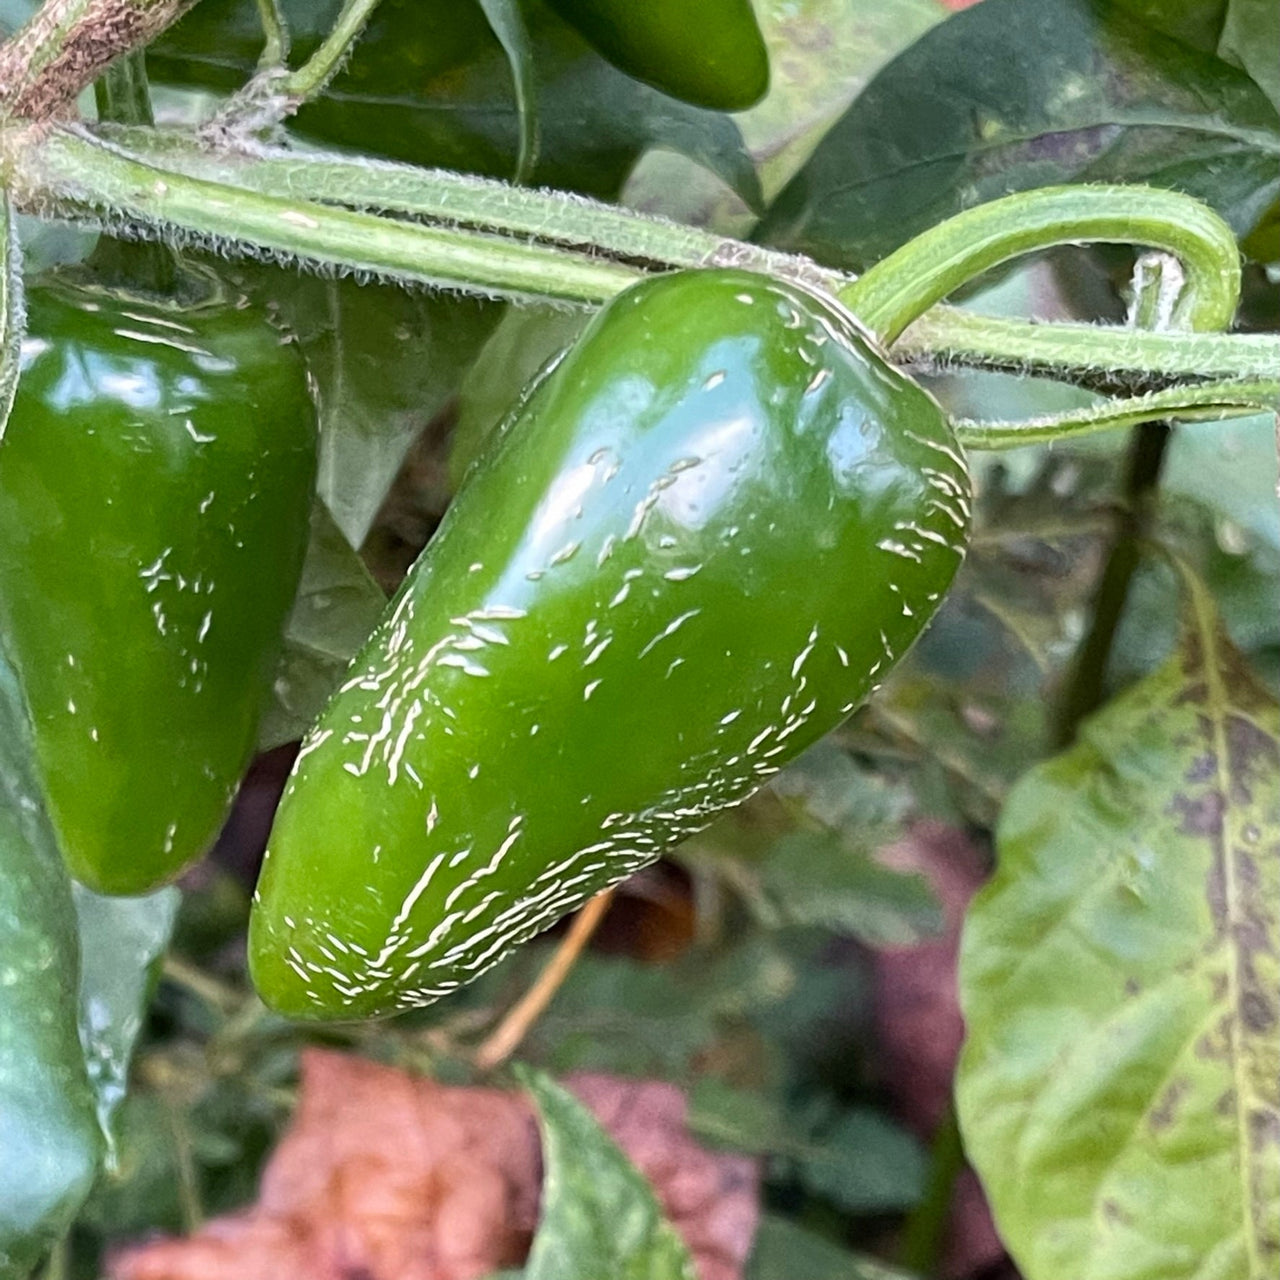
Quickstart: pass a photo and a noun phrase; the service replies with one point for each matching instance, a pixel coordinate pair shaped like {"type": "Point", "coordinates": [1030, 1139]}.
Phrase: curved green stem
{"type": "Point", "coordinates": [1200, 402]}
{"type": "Point", "coordinates": [929, 268]}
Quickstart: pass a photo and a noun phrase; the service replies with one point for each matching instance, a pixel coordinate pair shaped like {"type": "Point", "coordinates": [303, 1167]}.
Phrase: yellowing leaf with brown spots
{"type": "Point", "coordinates": [1119, 1092]}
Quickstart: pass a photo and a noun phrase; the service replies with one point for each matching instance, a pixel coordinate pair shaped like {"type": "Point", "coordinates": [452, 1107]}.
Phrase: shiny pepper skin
{"type": "Point", "coordinates": [697, 545]}
{"type": "Point", "coordinates": [155, 480]}
{"type": "Point", "coordinates": [709, 53]}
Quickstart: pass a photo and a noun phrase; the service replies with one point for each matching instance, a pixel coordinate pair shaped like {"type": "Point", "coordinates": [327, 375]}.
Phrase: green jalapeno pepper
{"type": "Point", "coordinates": [155, 481]}
{"type": "Point", "coordinates": [710, 53]}
{"type": "Point", "coordinates": [699, 542]}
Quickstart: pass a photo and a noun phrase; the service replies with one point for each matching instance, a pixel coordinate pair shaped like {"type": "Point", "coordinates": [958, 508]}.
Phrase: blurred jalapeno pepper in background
{"type": "Point", "coordinates": [710, 54]}
{"type": "Point", "coordinates": [694, 548]}
{"type": "Point", "coordinates": [156, 476]}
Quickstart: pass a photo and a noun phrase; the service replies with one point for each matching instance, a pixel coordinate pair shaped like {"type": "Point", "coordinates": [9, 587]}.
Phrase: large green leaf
{"type": "Point", "coordinates": [1119, 1092]}
{"type": "Point", "coordinates": [599, 1215]}
{"type": "Point", "coordinates": [384, 362]}
{"type": "Point", "coordinates": [49, 1137]}
{"type": "Point", "coordinates": [1015, 94]}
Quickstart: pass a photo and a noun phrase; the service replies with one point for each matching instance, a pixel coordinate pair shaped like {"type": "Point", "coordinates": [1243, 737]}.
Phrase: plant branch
{"type": "Point", "coordinates": [460, 199]}
{"type": "Point", "coordinates": [122, 94]}
{"type": "Point", "coordinates": [899, 289]}
{"type": "Point", "coordinates": [925, 1232]}
{"type": "Point", "coordinates": [320, 68]}
{"type": "Point", "coordinates": [68, 44]}
{"type": "Point", "coordinates": [948, 336]}
{"type": "Point", "coordinates": [322, 213]}
{"type": "Point", "coordinates": [513, 1028]}
{"type": "Point", "coordinates": [1202, 402]}
{"type": "Point", "coordinates": [275, 35]}
{"type": "Point", "coordinates": [1085, 688]}
{"type": "Point", "coordinates": [275, 93]}
{"type": "Point", "coordinates": [88, 180]}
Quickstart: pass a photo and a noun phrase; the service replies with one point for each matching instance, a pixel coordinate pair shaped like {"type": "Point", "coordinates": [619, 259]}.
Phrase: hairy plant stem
{"type": "Point", "coordinates": [1136, 360]}
{"type": "Point", "coordinates": [462, 200]}
{"type": "Point", "coordinates": [516, 247]}
{"type": "Point", "coordinates": [275, 93]}
{"type": "Point", "coordinates": [1201, 402]}
{"type": "Point", "coordinates": [320, 68]}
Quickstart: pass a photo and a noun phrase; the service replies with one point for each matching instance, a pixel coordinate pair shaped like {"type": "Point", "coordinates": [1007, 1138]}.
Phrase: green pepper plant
{"type": "Point", "coordinates": [710, 526]}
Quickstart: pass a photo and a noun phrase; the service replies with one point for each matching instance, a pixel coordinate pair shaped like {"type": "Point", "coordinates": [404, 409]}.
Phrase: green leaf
{"type": "Point", "coordinates": [818, 878]}
{"type": "Point", "coordinates": [337, 607]}
{"type": "Point", "coordinates": [599, 1215]}
{"type": "Point", "coordinates": [1120, 975]}
{"type": "Point", "coordinates": [864, 1162]}
{"type": "Point", "coordinates": [122, 941]}
{"type": "Point", "coordinates": [785, 1251]}
{"type": "Point", "coordinates": [1251, 39]}
{"type": "Point", "coordinates": [739, 1119]}
{"type": "Point", "coordinates": [49, 1137]}
{"type": "Point", "coordinates": [508, 24]}
{"type": "Point", "coordinates": [524, 340]}
{"type": "Point", "coordinates": [385, 361]}
{"type": "Point", "coordinates": [1014, 94]}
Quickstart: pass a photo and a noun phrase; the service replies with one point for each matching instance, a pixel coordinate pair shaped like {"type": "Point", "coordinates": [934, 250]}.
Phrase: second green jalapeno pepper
{"type": "Point", "coordinates": [710, 53]}
{"type": "Point", "coordinates": [695, 547]}
{"type": "Point", "coordinates": [155, 482]}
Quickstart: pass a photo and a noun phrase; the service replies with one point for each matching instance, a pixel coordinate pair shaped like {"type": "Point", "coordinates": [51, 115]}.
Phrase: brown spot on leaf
{"type": "Point", "coordinates": [1257, 1013]}
{"type": "Point", "coordinates": [1165, 1111]}
{"type": "Point", "coordinates": [1201, 813]}
{"type": "Point", "coordinates": [1115, 1214]}
{"type": "Point", "coordinates": [1203, 767]}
